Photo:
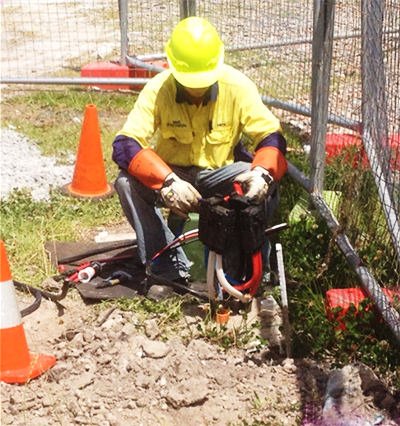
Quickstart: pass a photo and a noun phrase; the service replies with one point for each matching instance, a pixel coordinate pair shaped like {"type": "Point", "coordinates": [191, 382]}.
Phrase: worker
{"type": "Point", "coordinates": [183, 141]}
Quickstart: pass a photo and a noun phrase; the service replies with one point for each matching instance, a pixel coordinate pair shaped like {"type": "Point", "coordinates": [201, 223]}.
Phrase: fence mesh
{"type": "Point", "coordinates": [48, 38]}
{"type": "Point", "coordinates": [272, 43]}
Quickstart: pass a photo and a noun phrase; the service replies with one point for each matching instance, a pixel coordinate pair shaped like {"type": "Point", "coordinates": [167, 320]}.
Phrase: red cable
{"type": "Point", "coordinates": [187, 236]}
{"type": "Point", "coordinates": [253, 283]}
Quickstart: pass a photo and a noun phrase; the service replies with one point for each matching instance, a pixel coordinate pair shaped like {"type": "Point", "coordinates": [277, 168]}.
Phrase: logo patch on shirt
{"type": "Point", "coordinates": [176, 123]}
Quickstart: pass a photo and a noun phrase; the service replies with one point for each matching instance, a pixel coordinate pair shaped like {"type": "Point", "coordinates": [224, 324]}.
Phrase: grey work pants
{"type": "Point", "coordinates": [139, 205]}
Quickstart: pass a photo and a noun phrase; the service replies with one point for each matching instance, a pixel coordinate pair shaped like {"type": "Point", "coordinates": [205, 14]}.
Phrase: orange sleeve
{"type": "Point", "coordinates": [149, 168]}
{"type": "Point", "coordinates": [272, 159]}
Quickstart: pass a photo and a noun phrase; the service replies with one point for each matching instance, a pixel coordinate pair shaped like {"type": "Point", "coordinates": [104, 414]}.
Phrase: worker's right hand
{"type": "Point", "coordinates": [179, 196]}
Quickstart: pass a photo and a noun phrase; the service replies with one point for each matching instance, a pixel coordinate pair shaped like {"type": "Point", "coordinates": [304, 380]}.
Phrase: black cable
{"type": "Point", "coordinates": [54, 297]}
{"type": "Point", "coordinates": [38, 298]}
{"type": "Point", "coordinates": [39, 294]}
{"type": "Point", "coordinates": [156, 279]}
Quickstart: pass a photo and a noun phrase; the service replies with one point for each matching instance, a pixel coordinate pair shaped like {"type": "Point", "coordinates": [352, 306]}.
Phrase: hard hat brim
{"type": "Point", "coordinates": [196, 80]}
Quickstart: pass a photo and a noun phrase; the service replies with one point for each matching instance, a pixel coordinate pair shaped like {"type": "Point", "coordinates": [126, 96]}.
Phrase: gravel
{"type": "Point", "coordinates": [22, 166]}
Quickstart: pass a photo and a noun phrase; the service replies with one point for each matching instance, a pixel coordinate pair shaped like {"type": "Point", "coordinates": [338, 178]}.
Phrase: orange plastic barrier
{"type": "Point", "coordinates": [343, 298]}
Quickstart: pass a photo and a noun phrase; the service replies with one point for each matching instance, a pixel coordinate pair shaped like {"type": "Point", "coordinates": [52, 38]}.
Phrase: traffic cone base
{"type": "Point", "coordinates": [89, 180]}
{"type": "Point", "coordinates": [17, 364]}
{"type": "Point", "coordinates": [38, 364]}
{"type": "Point", "coordinates": [69, 189]}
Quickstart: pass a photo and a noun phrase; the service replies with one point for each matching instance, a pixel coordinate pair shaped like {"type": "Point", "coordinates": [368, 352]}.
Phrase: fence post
{"type": "Point", "coordinates": [374, 111]}
{"type": "Point", "coordinates": [187, 8]}
{"type": "Point", "coordinates": [123, 25]}
{"type": "Point", "coordinates": [324, 12]}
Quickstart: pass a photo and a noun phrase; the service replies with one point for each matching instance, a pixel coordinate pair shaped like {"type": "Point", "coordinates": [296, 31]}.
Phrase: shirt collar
{"type": "Point", "coordinates": [181, 95]}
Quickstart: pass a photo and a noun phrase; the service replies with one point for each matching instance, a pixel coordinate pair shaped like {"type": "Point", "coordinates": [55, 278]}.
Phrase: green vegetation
{"type": "Point", "coordinates": [313, 263]}
{"type": "Point", "coordinates": [240, 336]}
{"type": "Point", "coordinates": [27, 225]}
{"type": "Point", "coordinates": [54, 119]}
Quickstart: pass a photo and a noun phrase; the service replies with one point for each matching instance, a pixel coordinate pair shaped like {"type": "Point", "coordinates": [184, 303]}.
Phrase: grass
{"type": "Point", "coordinates": [54, 119]}
{"type": "Point", "coordinates": [240, 336]}
{"type": "Point", "coordinates": [27, 225]}
{"type": "Point", "coordinates": [313, 263]}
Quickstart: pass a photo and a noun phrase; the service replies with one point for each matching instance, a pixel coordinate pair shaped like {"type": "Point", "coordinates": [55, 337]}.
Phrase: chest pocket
{"type": "Point", "coordinates": [175, 146]}
{"type": "Point", "coordinates": [218, 147]}
{"type": "Point", "coordinates": [220, 136]}
{"type": "Point", "coordinates": [177, 135]}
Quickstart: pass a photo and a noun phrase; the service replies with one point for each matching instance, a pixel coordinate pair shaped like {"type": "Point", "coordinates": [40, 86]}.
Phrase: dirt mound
{"type": "Point", "coordinates": [113, 368]}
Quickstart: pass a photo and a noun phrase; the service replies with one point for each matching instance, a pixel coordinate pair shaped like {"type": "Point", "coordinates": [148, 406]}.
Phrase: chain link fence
{"type": "Point", "coordinates": [277, 44]}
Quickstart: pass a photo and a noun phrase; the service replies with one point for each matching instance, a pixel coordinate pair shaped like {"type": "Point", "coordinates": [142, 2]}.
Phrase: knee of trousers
{"type": "Point", "coordinates": [122, 184]}
{"type": "Point", "coordinates": [128, 187]}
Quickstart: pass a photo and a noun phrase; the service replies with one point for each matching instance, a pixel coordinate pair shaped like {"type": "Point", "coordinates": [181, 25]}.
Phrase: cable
{"type": "Point", "coordinates": [39, 294]}
{"type": "Point", "coordinates": [178, 242]}
{"type": "Point", "coordinates": [38, 298]}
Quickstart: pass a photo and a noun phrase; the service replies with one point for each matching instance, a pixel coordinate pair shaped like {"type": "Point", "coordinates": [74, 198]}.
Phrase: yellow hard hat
{"type": "Point", "coordinates": [195, 53]}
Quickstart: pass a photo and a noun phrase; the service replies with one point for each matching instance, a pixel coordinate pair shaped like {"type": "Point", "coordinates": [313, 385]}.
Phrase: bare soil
{"type": "Point", "coordinates": [118, 367]}
{"type": "Point", "coordinates": [114, 368]}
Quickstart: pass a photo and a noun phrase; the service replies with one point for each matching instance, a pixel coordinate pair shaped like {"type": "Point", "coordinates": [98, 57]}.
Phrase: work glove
{"type": "Point", "coordinates": [179, 196]}
{"type": "Point", "coordinates": [255, 183]}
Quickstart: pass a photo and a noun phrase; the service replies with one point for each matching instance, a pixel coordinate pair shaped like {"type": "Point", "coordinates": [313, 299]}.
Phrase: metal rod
{"type": "Point", "coordinates": [324, 12]}
{"type": "Point", "coordinates": [286, 106]}
{"type": "Point", "coordinates": [374, 154]}
{"type": "Point", "coordinates": [306, 111]}
{"type": "Point", "coordinates": [285, 305]}
{"type": "Point", "coordinates": [299, 176]}
{"type": "Point", "coordinates": [74, 80]}
{"type": "Point", "coordinates": [374, 107]}
{"type": "Point", "coordinates": [142, 64]}
{"type": "Point", "coordinates": [295, 42]}
{"type": "Point", "coordinates": [187, 8]}
{"type": "Point", "coordinates": [271, 45]}
{"type": "Point", "coordinates": [123, 25]}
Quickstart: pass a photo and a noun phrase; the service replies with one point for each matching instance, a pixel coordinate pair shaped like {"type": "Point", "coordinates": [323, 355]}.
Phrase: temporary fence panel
{"type": "Point", "coordinates": [55, 38]}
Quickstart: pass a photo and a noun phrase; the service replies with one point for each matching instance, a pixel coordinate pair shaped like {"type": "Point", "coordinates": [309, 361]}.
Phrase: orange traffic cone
{"type": "Point", "coordinates": [89, 180]}
{"type": "Point", "coordinates": [17, 365]}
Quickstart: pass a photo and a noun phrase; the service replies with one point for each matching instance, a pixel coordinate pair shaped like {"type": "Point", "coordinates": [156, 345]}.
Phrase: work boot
{"type": "Point", "coordinates": [159, 292]}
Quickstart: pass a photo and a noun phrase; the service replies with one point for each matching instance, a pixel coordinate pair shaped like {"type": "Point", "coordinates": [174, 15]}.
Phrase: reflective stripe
{"type": "Point", "coordinates": [10, 316]}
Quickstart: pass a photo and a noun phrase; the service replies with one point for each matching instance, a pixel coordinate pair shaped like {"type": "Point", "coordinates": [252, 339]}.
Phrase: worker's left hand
{"type": "Point", "coordinates": [255, 183]}
{"type": "Point", "coordinates": [179, 195]}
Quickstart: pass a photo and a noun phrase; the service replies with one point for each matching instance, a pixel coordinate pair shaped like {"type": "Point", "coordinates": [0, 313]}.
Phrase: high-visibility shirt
{"type": "Point", "coordinates": [205, 136]}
